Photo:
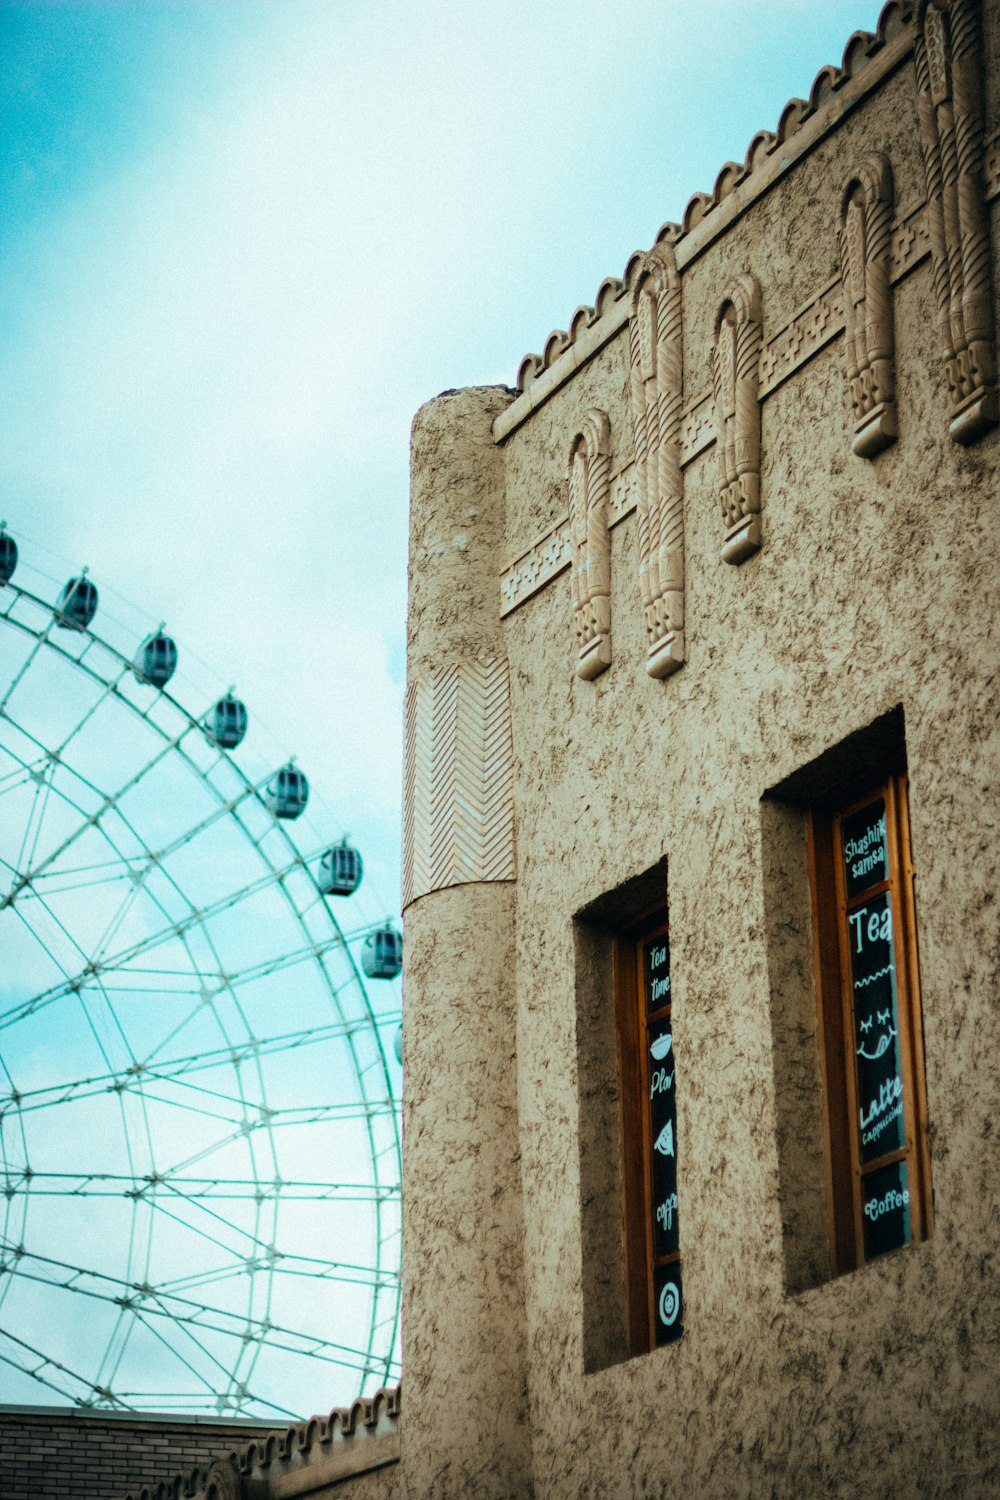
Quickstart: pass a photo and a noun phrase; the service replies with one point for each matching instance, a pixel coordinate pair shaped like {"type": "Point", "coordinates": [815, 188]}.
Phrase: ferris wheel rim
{"type": "Point", "coordinates": [385, 1188]}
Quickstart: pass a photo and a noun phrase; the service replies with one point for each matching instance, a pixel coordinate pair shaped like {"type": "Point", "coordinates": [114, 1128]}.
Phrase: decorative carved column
{"type": "Point", "coordinates": [865, 252]}
{"type": "Point", "coordinates": [464, 1317]}
{"type": "Point", "coordinates": [657, 392]}
{"type": "Point", "coordinates": [736, 386]}
{"type": "Point", "coordinates": [458, 777]}
{"type": "Point", "coordinates": [947, 57]}
{"type": "Point", "coordinates": [589, 488]}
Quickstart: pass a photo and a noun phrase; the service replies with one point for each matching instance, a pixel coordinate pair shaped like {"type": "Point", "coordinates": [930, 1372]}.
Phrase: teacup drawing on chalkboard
{"type": "Point", "coordinates": [661, 1045]}
{"type": "Point", "coordinates": [884, 1038]}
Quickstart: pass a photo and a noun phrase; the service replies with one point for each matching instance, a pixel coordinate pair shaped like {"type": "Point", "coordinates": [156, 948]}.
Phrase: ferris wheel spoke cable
{"type": "Point", "coordinates": [194, 1189]}
{"type": "Point", "coordinates": [42, 640]}
{"type": "Point", "coordinates": [118, 1342]}
{"type": "Point", "coordinates": [114, 962]}
{"type": "Point", "coordinates": [111, 689]}
{"type": "Point", "coordinates": [195, 917]}
{"type": "Point", "coordinates": [161, 1301]}
{"type": "Point", "coordinates": [41, 780]}
{"type": "Point", "coordinates": [170, 929]}
{"type": "Point", "coordinates": [47, 1363]}
{"type": "Point", "coordinates": [122, 1078]}
{"type": "Point", "coordinates": [113, 978]}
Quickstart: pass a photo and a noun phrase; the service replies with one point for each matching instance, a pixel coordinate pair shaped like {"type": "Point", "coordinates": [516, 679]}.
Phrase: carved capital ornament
{"type": "Point", "coordinates": [947, 56]}
{"type": "Point", "coordinates": [735, 363]}
{"type": "Point", "coordinates": [589, 489]}
{"type": "Point", "coordinates": [865, 258]}
{"type": "Point", "coordinates": [657, 390]}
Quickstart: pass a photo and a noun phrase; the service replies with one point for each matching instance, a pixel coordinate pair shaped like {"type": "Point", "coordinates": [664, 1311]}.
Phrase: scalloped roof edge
{"type": "Point", "coordinates": [894, 19]}
{"type": "Point", "coordinates": [306, 1441]}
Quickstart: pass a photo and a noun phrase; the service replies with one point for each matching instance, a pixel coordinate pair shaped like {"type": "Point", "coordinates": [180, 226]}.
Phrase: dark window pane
{"type": "Point", "coordinates": [663, 1137]}
{"type": "Point", "coordinates": [876, 1043]}
{"type": "Point", "coordinates": [885, 1201]}
{"type": "Point", "coordinates": [863, 845]}
{"type": "Point", "coordinates": [656, 973]}
{"type": "Point", "coordinates": [668, 1311]}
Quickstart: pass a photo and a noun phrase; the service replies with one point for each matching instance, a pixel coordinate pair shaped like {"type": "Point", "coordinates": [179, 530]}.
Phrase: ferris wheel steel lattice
{"type": "Point", "coordinates": [199, 1124]}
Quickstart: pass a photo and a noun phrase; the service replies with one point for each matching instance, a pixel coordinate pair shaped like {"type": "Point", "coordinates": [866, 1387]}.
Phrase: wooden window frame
{"type": "Point", "coordinates": [632, 1018]}
{"type": "Point", "coordinates": [834, 986]}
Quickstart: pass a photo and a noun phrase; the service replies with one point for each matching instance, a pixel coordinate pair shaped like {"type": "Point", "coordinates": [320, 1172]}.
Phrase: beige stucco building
{"type": "Point", "coordinates": [702, 1188]}
{"type": "Point", "coordinates": [720, 571]}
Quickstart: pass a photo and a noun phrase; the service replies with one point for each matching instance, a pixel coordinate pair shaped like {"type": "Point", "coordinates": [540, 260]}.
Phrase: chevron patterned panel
{"type": "Point", "coordinates": [458, 785]}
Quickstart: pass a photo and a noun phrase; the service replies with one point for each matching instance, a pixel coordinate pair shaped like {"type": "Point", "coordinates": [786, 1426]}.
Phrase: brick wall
{"type": "Point", "coordinates": [51, 1453]}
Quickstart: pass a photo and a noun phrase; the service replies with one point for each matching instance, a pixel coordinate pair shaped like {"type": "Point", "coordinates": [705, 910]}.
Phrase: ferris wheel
{"type": "Point", "coordinates": [199, 1076]}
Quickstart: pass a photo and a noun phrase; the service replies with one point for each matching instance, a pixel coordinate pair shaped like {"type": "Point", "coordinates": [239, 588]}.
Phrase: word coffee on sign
{"type": "Point", "coordinates": [665, 1211]}
{"type": "Point", "coordinates": [891, 1203]}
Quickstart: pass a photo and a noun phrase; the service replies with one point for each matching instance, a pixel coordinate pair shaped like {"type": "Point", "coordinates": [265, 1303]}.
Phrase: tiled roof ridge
{"type": "Point", "coordinates": [221, 1480]}
{"type": "Point", "coordinates": [861, 47]}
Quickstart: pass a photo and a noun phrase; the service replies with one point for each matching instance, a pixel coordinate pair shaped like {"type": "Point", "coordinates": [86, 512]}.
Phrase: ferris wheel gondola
{"type": "Point", "coordinates": [226, 723]}
{"type": "Point", "coordinates": [155, 662]}
{"type": "Point", "coordinates": [340, 870]}
{"type": "Point", "coordinates": [382, 953]}
{"type": "Point", "coordinates": [186, 1041]}
{"type": "Point", "coordinates": [8, 555]}
{"type": "Point", "coordinates": [77, 603]}
{"type": "Point", "coordinates": [287, 793]}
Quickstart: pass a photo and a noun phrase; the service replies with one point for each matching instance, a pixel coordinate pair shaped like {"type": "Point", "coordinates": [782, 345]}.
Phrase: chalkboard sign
{"type": "Point", "coordinates": [661, 1127]}
{"type": "Point", "coordinates": [864, 848]}
{"type": "Point", "coordinates": [876, 1028]}
{"type": "Point", "coordinates": [663, 1136]}
{"type": "Point", "coordinates": [656, 974]}
{"type": "Point", "coordinates": [885, 1203]}
{"type": "Point", "coordinates": [668, 1307]}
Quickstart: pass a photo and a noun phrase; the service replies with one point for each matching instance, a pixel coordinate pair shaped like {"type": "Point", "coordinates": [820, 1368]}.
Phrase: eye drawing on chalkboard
{"type": "Point", "coordinates": [661, 1045]}
{"type": "Point", "coordinates": [884, 1038]}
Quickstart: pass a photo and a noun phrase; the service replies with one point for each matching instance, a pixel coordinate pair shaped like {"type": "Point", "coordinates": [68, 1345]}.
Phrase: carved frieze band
{"type": "Point", "coordinates": [736, 388]}
{"type": "Point", "coordinates": [656, 384]}
{"type": "Point", "coordinates": [458, 779]}
{"type": "Point", "coordinates": [589, 477]}
{"type": "Point", "coordinates": [946, 59]}
{"type": "Point", "coordinates": [786, 351]}
{"type": "Point", "coordinates": [865, 258]}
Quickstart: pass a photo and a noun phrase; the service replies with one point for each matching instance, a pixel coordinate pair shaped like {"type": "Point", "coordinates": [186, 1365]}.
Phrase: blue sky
{"type": "Point", "coordinates": [243, 241]}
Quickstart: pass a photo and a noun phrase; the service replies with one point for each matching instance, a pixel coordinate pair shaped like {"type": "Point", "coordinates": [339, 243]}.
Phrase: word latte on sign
{"type": "Point", "coordinates": [890, 1091]}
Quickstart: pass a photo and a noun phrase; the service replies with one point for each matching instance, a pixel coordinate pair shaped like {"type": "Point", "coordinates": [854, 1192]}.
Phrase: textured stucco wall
{"type": "Point", "coordinates": [464, 1321]}
{"type": "Point", "coordinates": [875, 587]}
